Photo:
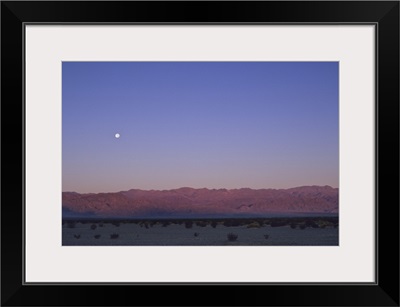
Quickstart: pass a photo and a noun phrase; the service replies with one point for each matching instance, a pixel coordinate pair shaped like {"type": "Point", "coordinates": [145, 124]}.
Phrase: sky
{"type": "Point", "coordinates": [199, 124]}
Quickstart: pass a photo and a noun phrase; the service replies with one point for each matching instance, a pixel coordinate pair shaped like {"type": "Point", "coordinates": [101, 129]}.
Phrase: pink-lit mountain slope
{"type": "Point", "coordinates": [192, 202]}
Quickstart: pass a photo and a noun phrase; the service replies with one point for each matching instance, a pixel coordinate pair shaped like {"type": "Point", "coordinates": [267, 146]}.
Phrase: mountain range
{"type": "Point", "coordinates": [190, 202]}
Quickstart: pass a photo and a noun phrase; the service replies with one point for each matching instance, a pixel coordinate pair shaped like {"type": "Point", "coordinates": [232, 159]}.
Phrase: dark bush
{"type": "Point", "coordinates": [310, 223]}
{"type": "Point", "coordinates": [232, 236]}
{"type": "Point", "coordinates": [278, 223]}
{"type": "Point", "coordinates": [114, 236]}
{"type": "Point", "coordinates": [293, 225]}
{"type": "Point", "coordinates": [93, 227]}
{"type": "Point", "coordinates": [201, 223]}
{"type": "Point", "coordinates": [214, 224]}
{"type": "Point", "coordinates": [227, 223]}
{"type": "Point", "coordinates": [77, 236]}
{"type": "Point", "coordinates": [196, 234]}
{"type": "Point", "coordinates": [97, 236]}
{"type": "Point", "coordinates": [253, 225]}
{"type": "Point", "coordinates": [266, 237]}
{"type": "Point", "coordinates": [302, 226]}
{"type": "Point", "coordinates": [188, 224]}
{"type": "Point", "coordinates": [116, 224]}
{"type": "Point", "coordinates": [236, 223]}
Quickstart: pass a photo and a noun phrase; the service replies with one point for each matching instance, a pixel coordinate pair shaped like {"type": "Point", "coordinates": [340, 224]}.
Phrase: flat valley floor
{"type": "Point", "coordinates": [197, 234]}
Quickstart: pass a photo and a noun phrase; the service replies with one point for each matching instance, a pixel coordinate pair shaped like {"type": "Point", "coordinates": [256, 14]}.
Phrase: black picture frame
{"type": "Point", "coordinates": [383, 14]}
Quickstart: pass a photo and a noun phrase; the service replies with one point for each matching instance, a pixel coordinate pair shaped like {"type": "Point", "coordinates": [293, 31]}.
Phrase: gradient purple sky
{"type": "Point", "coordinates": [199, 124]}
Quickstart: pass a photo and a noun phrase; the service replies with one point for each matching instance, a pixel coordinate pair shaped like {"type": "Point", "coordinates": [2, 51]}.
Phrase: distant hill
{"type": "Point", "coordinates": [189, 202]}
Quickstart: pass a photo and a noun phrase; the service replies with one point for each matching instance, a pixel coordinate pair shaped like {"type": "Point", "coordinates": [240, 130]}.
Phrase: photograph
{"type": "Point", "coordinates": [200, 147]}
{"type": "Point", "coordinates": [200, 153]}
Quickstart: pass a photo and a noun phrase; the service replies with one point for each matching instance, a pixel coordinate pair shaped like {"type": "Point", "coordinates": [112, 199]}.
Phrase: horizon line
{"type": "Point", "coordinates": [204, 188]}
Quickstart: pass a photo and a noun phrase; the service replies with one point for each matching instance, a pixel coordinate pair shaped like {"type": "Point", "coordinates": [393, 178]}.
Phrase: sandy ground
{"type": "Point", "coordinates": [178, 235]}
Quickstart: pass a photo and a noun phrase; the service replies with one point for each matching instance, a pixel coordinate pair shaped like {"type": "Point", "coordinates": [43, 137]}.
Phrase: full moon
{"type": "Point", "coordinates": [117, 135]}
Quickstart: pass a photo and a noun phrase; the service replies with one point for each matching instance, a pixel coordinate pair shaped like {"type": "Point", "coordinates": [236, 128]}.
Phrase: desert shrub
{"type": "Point", "coordinates": [310, 223]}
{"type": "Point", "coordinates": [93, 227]}
{"type": "Point", "coordinates": [77, 236]}
{"type": "Point", "coordinates": [101, 225]}
{"type": "Point", "coordinates": [324, 224]}
{"type": "Point", "coordinates": [278, 223]}
{"type": "Point", "coordinates": [253, 225]}
{"type": "Point", "coordinates": [188, 224]}
{"type": "Point", "coordinates": [235, 223]}
{"type": "Point", "coordinates": [293, 225]}
{"type": "Point", "coordinates": [116, 224]}
{"type": "Point", "coordinates": [214, 224]}
{"type": "Point", "coordinates": [232, 236]}
{"type": "Point", "coordinates": [266, 236]}
{"type": "Point", "coordinates": [165, 223]}
{"type": "Point", "coordinates": [231, 223]}
{"type": "Point", "coordinates": [201, 223]}
{"type": "Point", "coordinates": [97, 236]}
{"type": "Point", "coordinates": [227, 223]}
{"type": "Point", "coordinates": [114, 236]}
{"type": "Point", "coordinates": [302, 226]}
{"type": "Point", "coordinates": [196, 234]}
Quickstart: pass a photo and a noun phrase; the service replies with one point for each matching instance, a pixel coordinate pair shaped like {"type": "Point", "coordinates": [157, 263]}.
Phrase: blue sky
{"type": "Point", "coordinates": [199, 124]}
